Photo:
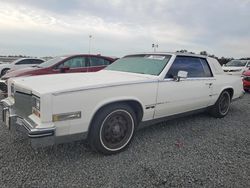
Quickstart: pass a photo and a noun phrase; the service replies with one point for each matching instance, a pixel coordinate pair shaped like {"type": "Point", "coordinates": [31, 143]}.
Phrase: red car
{"type": "Point", "coordinates": [246, 80]}
{"type": "Point", "coordinates": [61, 64]}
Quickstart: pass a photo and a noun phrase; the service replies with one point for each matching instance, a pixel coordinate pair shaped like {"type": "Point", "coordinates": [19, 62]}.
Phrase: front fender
{"type": "Point", "coordinates": [106, 102]}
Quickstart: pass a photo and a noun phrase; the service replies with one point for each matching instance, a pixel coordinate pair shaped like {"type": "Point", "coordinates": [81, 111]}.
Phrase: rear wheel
{"type": "Point", "coordinates": [221, 107]}
{"type": "Point", "coordinates": [112, 128]}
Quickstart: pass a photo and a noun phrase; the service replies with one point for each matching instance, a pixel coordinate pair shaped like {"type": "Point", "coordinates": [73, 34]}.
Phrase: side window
{"type": "Point", "coordinates": [24, 62]}
{"type": "Point", "coordinates": [96, 61]}
{"type": "Point", "coordinates": [196, 67]}
{"type": "Point", "coordinates": [37, 61]}
{"type": "Point", "coordinates": [76, 62]}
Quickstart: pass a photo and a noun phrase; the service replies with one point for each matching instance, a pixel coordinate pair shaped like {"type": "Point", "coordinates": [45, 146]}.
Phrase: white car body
{"type": "Point", "coordinates": [79, 96]}
{"type": "Point", "coordinates": [16, 64]}
{"type": "Point", "coordinates": [236, 70]}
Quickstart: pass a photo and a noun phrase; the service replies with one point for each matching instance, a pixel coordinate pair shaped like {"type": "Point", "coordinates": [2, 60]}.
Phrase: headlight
{"type": "Point", "coordinates": [12, 90]}
{"type": "Point", "coordinates": [36, 102]}
{"type": "Point", "coordinates": [36, 105]}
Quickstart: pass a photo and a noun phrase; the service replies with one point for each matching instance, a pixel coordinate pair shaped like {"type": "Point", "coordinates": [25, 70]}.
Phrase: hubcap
{"type": "Point", "coordinates": [224, 103]}
{"type": "Point", "coordinates": [117, 130]}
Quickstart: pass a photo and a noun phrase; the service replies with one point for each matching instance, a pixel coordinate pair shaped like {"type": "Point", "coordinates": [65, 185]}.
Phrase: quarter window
{"type": "Point", "coordinates": [206, 68]}
{"type": "Point", "coordinates": [196, 67]}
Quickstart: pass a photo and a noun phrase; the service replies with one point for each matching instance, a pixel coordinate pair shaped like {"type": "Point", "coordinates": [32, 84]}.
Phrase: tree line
{"type": "Point", "coordinates": [222, 60]}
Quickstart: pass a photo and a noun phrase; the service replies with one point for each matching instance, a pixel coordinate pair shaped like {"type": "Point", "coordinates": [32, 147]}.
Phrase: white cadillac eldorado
{"type": "Point", "coordinates": [106, 107]}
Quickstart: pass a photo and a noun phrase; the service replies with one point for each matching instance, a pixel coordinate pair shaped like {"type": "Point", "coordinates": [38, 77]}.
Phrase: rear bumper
{"type": "Point", "coordinates": [39, 137]}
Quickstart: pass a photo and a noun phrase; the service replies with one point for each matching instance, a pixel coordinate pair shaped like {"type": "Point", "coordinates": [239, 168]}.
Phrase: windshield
{"type": "Point", "coordinates": [236, 63]}
{"type": "Point", "coordinates": [142, 64]}
{"type": "Point", "coordinates": [17, 60]}
{"type": "Point", "coordinates": [51, 62]}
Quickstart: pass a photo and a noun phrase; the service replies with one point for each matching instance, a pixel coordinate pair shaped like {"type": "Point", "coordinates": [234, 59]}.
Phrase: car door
{"type": "Point", "coordinates": [71, 65]}
{"type": "Point", "coordinates": [188, 94]}
{"type": "Point", "coordinates": [97, 63]}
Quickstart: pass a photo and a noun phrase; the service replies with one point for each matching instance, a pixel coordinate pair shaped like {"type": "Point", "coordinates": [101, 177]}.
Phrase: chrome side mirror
{"type": "Point", "coordinates": [181, 74]}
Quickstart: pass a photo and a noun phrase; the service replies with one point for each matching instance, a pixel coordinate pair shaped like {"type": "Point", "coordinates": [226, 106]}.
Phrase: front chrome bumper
{"type": "Point", "coordinates": [39, 137]}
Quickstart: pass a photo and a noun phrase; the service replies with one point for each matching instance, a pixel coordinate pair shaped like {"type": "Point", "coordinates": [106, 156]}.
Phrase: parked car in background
{"type": "Point", "coordinates": [61, 64]}
{"type": "Point", "coordinates": [246, 80]}
{"type": "Point", "coordinates": [236, 66]}
{"type": "Point", "coordinates": [19, 64]}
{"type": "Point", "coordinates": [107, 106]}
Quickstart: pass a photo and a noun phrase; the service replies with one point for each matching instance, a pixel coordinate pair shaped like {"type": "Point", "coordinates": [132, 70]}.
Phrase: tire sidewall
{"type": "Point", "coordinates": [97, 126]}
{"type": "Point", "coordinates": [218, 104]}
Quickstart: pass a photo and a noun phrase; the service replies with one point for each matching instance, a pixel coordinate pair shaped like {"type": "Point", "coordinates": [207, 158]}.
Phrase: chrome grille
{"type": "Point", "coordinates": [23, 104]}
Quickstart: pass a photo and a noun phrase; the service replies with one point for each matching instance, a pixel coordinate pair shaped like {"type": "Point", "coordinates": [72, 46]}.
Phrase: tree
{"type": "Point", "coordinates": [182, 51]}
{"type": "Point", "coordinates": [204, 53]}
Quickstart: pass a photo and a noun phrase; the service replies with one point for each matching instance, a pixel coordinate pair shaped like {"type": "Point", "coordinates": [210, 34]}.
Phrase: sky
{"type": "Point", "coordinates": [120, 27]}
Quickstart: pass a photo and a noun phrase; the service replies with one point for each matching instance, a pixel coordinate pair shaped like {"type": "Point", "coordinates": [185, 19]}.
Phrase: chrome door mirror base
{"type": "Point", "coordinates": [181, 74]}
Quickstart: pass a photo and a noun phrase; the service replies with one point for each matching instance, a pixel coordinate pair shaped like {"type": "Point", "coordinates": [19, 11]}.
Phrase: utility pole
{"type": "Point", "coordinates": [154, 46]}
{"type": "Point", "coordinates": [90, 37]}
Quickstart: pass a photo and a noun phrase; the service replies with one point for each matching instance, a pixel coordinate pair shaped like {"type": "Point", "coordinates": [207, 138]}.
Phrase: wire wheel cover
{"type": "Point", "coordinates": [117, 130]}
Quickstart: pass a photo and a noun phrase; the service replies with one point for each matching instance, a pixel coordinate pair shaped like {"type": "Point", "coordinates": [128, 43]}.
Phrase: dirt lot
{"type": "Point", "coordinates": [195, 151]}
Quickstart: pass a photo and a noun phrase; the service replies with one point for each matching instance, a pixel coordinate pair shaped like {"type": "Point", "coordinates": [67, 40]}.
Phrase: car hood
{"type": "Point", "coordinates": [60, 83]}
{"type": "Point", "coordinates": [20, 72]}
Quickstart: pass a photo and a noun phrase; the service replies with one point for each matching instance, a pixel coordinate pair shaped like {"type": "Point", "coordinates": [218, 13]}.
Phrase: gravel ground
{"type": "Point", "coordinates": [195, 151]}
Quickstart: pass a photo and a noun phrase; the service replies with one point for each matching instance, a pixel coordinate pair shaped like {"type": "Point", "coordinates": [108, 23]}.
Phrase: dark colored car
{"type": "Point", "coordinates": [61, 64]}
{"type": "Point", "coordinates": [246, 80]}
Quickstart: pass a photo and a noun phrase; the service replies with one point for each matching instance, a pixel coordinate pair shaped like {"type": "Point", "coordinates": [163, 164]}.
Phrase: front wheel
{"type": "Point", "coordinates": [112, 128]}
{"type": "Point", "coordinates": [4, 71]}
{"type": "Point", "coordinates": [221, 107]}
